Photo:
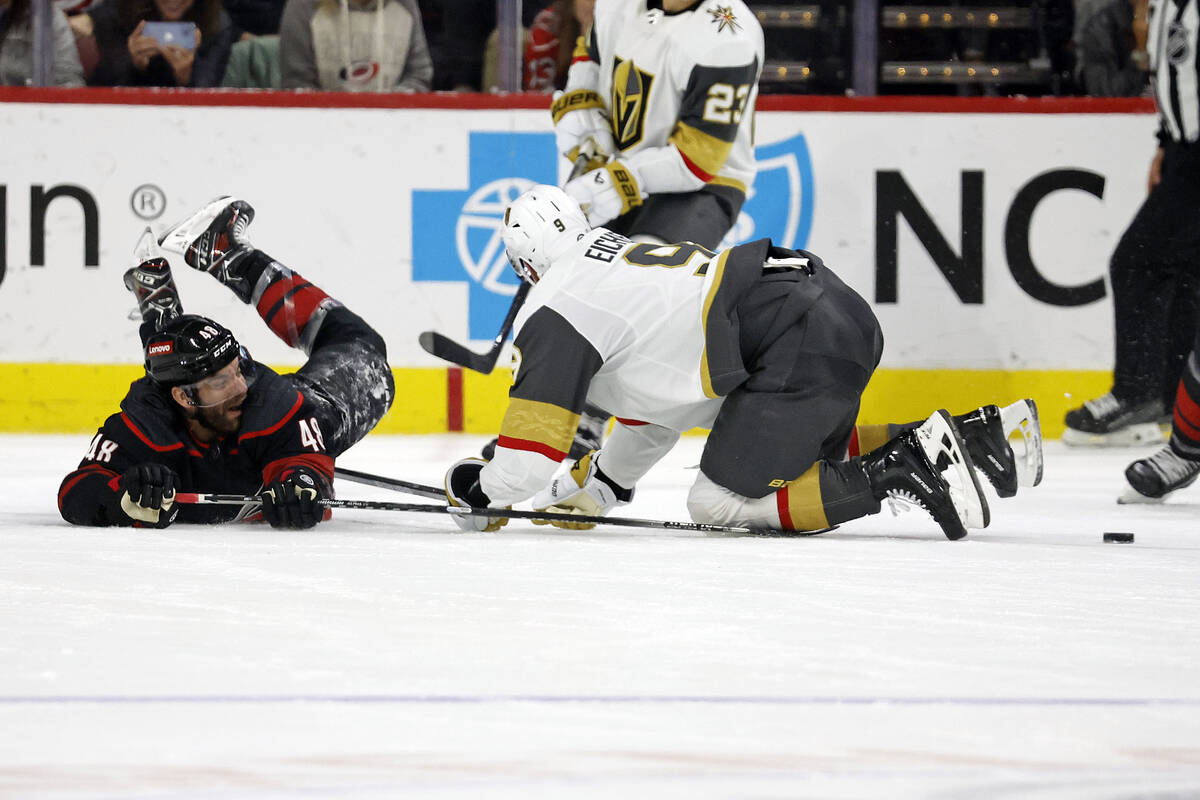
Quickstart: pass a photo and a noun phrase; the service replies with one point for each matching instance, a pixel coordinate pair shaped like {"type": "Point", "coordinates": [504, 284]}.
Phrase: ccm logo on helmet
{"type": "Point", "coordinates": [159, 349]}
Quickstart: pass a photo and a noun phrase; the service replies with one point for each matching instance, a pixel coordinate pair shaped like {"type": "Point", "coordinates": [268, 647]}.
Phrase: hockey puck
{"type": "Point", "coordinates": [1123, 538]}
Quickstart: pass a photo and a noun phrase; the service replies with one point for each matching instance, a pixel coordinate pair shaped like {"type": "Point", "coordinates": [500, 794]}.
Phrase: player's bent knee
{"type": "Point", "coordinates": [711, 504]}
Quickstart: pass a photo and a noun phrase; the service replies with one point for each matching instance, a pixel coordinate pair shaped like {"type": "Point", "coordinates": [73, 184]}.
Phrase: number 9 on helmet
{"type": "Point", "coordinates": [539, 226]}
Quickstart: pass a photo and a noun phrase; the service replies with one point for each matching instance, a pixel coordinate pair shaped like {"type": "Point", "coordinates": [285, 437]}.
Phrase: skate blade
{"type": "Point", "coordinates": [1022, 417]}
{"type": "Point", "coordinates": [178, 237]}
{"type": "Point", "coordinates": [1132, 436]}
{"type": "Point", "coordinates": [1132, 497]}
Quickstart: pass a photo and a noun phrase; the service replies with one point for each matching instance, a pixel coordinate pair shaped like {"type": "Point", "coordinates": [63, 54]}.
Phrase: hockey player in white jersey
{"type": "Point", "coordinates": [765, 346]}
{"type": "Point", "coordinates": [666, 89]}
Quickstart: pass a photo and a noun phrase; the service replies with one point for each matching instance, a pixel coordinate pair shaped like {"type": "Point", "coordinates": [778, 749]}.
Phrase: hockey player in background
{"type": "Point", "coordinates": [661, 95]}
{"type": "Point", "coordinates": [207, 418]}
{"type": "Point", "coordinates": [765, 346]}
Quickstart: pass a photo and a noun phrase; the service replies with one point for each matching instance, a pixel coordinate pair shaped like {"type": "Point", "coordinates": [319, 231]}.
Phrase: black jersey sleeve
{"type": "Point", "coordinates": [283, 431]}
{"type": "Point", "coordinates": [90, 494]}
{"type": "Point", "coordinates": [711, 112]}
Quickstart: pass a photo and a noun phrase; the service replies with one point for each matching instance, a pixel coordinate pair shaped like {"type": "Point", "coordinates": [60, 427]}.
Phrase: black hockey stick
{"type": "Point", "coordinates": [447, 349]}
{"type": "Point", "coordinates": [395, 484]}
{"type": "Point", "coordinates": [546, 516]}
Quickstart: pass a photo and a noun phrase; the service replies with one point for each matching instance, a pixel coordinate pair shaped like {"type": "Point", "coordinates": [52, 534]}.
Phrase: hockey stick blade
{"type": "Point", "coordinates": [394, 484]}
{"type": "Point", "coordinates": [545, 516]}
{"type": "Point", "coordinates": [447, 349]}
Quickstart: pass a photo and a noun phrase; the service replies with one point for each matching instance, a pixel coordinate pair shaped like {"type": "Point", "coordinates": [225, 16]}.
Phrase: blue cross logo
{"type": "Point", "coordinates": [457, 233]}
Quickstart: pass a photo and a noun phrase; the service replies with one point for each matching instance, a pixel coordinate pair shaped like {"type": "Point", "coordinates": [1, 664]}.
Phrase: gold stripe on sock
{"type": "Point", "coordinates": [799, 503]}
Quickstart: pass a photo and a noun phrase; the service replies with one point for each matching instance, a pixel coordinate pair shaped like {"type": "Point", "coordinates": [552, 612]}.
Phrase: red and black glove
{"type": "Point", "coordinates": [293, 501]}
{"type": "Point", "coordinates": [147, 495]}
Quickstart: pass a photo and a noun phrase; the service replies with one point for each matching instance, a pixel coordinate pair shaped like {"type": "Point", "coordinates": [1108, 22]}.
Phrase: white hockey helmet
{"type": "Point", "coordinates": [540, 226]}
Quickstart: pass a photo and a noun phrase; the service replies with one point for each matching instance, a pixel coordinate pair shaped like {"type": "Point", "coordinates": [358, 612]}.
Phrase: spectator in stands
{"type": "Point", "coordinates": [254, 64]}
{"type": "Point", "coordinates": [549, 43]}
{"type": "Point", "coordinates": [466, 25]}
{"type": "Point", "coordinates": [16, 47]}
{"type": "Point", "coordinates": [354, 46]}
{"type": "Point", "coordinates": [255, 17]}
{"type": "Point", "coordinates": [1110, 56]}
{"type": "Point", "coordinates": [129, 57]}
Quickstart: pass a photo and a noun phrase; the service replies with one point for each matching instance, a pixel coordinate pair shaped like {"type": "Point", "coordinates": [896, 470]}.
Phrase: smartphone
{"type": "Point", "coordinates": [172, 34]}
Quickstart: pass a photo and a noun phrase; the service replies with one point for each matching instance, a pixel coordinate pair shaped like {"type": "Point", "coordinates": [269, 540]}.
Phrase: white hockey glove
{"type": "Point", "coordinates": [462, 490]}
{"type": "Point", "coordinates": [606, 193]}
{"type": "Point", "coordinates": [584, 490]}
{"type": "Point", "coordinates": [581, 126]}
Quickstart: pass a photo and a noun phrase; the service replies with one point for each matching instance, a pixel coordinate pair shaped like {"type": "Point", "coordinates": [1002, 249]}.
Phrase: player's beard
{"type": "Point", "coordinates": [219, 418]}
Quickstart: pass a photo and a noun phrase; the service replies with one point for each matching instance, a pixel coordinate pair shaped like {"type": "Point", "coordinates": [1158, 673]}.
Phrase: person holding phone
{"type": "Point", "coordinates": [161, 43]}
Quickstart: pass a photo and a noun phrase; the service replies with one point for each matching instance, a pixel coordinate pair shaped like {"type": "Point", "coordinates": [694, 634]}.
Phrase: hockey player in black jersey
{"type": "Point", "coordinates": [764, 346]}
{"type": "Point", "coordinates": [208, 418]}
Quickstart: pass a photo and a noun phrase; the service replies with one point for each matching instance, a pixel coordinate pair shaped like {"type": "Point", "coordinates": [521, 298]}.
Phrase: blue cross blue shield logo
{"type": "Point", "coordinates": [457, 233]}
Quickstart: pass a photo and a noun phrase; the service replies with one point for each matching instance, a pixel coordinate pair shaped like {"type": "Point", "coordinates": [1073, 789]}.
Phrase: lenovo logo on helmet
{"type": "Point", "coordinates": [159, 349]}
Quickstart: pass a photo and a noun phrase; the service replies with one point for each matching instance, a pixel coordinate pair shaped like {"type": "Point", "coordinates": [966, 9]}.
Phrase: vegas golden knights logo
{"type": "Point", "coordinates": [630, 101]}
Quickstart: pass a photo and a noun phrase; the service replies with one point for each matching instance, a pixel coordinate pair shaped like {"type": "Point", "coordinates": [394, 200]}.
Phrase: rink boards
{"type": "Point", "coordinates": [979, 230]}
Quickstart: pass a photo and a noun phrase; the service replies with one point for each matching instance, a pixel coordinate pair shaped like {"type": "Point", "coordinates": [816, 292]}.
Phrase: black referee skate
{"type": "Point", "coordinates": [1109, 421]}
{"type": "Point", "coordinates": [152, 284]}
{"type": "Point", "coordinates": [213, 240]}
{"type": "Point", "coordinates": [1152, 479]}
{"type": "Point", "coordinates": [903, 473]}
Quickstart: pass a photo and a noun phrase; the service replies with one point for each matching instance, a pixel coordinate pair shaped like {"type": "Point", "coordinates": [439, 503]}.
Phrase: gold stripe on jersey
{"type": "Point", "coordinates": [799, 502]}
{"type": "Point", "coordinates": [575, 101]}
{"type": "Point", "coordinates": [704, 150]}
{"type": "Point", "coordinates": [705, 376]}
{"type": "Point", "coordinates": [538, 427]}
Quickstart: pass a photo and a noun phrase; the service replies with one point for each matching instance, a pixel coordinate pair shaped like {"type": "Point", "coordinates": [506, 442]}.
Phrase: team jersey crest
{"type": "Point", "coordinates": [630, 100]}
{"type": "Point", "coordinates": [724, 18]}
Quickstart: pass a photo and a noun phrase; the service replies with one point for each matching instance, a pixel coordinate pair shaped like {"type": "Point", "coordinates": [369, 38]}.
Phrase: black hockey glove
{"type": "Point", "coordinates": [463, 490]}
{"type": "Point", "coordinates": [292, 501]}
{"type": "Point", "coordinates": [147, 495]}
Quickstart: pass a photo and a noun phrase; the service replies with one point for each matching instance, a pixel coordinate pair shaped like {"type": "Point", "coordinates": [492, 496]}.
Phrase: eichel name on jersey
{"type": "Point", "coordinates": [689, 79]}
{"type": "Point", "coordinates": [649, 332]}
{"type": "Point", "coordinates": [279, 431]}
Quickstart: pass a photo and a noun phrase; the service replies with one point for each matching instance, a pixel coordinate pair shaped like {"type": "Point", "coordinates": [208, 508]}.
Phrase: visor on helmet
{"type": "Point", "coordinates": [223, 384]}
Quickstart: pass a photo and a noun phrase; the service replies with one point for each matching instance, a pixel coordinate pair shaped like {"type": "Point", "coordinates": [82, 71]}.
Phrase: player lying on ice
{"type": "Point", "coordinates": [765, 346]}
{"type": "Point", "coordinates": [206, 418]}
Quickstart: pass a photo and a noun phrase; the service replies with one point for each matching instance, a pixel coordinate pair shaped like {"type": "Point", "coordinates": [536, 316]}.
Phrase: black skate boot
{"type": "Point", "coordinates": [1109, 421]}
{"type": "Point", "coordinates": [152, 284]}
{"type": "Point", "coordinates": [983, 432]}
{"type": "Point", "coordinates": [213, 240]}
{"type": "Point", "coordinates": [1152, 479]}
{"type": "Point", "coordinates": [589, 435]}
{"type": "Point", "coordinates": [903, 472]}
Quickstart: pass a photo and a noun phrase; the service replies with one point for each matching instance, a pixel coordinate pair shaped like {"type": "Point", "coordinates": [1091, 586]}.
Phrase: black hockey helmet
{"type": "Point", "coordinates": [188, 349]}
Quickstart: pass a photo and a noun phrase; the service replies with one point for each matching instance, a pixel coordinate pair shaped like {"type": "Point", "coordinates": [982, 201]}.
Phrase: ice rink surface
{"type": "Point", "coordinates": [390, 655]}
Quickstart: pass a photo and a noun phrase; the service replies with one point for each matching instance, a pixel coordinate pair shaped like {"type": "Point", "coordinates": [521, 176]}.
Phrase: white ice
{"type": "Point", "coordinates": [390, 655]}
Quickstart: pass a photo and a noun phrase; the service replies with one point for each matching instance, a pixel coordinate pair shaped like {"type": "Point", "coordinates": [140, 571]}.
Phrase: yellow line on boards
{"type": "Point", "coordinates": [76, 398]}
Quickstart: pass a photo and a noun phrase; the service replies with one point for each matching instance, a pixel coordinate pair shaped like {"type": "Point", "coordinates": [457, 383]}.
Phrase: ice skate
{"type": "Point", "coordinates": [1022, 417]}
{"type": "Point", "coordinates": [152, 284]}
{"type": "Point", "coordinates": [982, 431]}
{"type": "Point", "coordinates": [589, 435]}
{"type": "Point", "coordinates": [1109, 421]}
{"type": "Point", "coordinates": [903, 473]}
{"type": "Point", "coordinates": [1153, 479]}
{"type": "Point", "coordinates": [213, 240]}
